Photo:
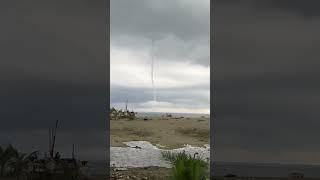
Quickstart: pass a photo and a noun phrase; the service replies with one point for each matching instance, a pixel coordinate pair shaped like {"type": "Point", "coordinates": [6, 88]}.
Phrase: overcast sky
{"type": "Point", "coordinates": [180, 31]}
{"type": "Point", "coordinates": [266, 67]}
{"type": "Point", "coordinates": [53, 67]}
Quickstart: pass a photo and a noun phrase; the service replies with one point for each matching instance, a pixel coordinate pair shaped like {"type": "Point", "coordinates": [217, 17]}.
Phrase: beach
{"type": "Point", "coordinates": [163, 132]}
{"type": "Point", "coordinates": [175, 132]}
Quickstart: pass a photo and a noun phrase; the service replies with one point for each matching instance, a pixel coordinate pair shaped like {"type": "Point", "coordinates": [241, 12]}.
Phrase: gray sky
{"type": "Point", "coordinates": [265, 63]}
{"type": "Point", "coordinates": [266, 67]}
{"type": "Point", "coordinates": [180, 30]}
{"type": "Point", "coordinates": [52, 68]}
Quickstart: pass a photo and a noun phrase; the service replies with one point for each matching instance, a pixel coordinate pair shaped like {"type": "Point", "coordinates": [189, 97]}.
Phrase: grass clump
{"type": "Point", "coordinates": [186, 167]}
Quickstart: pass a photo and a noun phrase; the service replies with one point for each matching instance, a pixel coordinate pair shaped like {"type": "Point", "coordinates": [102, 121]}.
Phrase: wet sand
{"type": "Point", "coordinates": [168, 132]}
{"type": "Point", "coordinates": [156, 173]}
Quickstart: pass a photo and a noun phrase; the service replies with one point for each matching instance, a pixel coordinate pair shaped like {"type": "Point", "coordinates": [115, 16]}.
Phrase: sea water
{"type": "Point", "coordinates": [265, 169]}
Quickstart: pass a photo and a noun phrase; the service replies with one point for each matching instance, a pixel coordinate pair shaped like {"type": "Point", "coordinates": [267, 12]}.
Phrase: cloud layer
{"type": "Point", "coordinates": [180, 31]}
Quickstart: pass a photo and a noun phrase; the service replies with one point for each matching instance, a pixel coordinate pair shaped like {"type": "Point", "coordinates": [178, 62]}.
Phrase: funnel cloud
{"type": "Point", "coordinates": [178, 55]}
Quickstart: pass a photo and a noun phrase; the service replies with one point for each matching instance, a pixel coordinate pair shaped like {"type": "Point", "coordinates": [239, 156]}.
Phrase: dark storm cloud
{"type": "Point", "coordinates": [49, 51]}
{"type": "Point", "coordinates": [306, 9]}
{"type": "Point", "coordinates": [178, 25]}
{"type": "Point", "coordinates": [35, 102]}
{"type": "Point", "coordinates": [51, 39]}
{"type": "Point", "coordinates": [270, 42]}
{"type": "Point", "coordinates": [52, 67]}
{"type": "Point", "coordinates": [266, 73]}
{"type": "Point", "coordinates": [155, 19]}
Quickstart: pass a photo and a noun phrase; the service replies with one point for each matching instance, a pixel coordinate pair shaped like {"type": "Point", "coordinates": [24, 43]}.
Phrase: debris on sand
{"type": "Point", "coordinates": [142, 174]}
{"type": "Point", "coordinates": [137, 147]}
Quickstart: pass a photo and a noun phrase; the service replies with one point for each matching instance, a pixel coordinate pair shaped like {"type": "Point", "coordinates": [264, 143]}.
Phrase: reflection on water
{"type": "Point", "coordinates": [144, 154]}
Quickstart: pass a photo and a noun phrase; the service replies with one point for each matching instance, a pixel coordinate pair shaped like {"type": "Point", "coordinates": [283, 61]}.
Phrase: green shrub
{"type": "Point", "coordinates": [186, 167]}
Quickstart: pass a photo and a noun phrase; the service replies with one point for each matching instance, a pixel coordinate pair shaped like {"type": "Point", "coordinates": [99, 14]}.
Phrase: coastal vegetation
{"type": "Point", "coordinates": [187, 167]}
{"type": "Point", "coordinates": [120, 114]}
{"type": "Point", "coordinates": [18, 165]}
{"type": "Point", "coordinates": [23, 166]}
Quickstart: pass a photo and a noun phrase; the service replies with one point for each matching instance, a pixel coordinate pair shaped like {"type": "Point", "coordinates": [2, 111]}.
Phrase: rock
{"type": "Point", "coordinates": [137, 147]}
{"type": "Point", "coordinates": [120, 169]}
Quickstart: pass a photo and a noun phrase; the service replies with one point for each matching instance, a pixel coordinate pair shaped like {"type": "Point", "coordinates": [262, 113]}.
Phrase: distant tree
{"type": "Point", "coordinates": [19, 164]}
{"type": "Point", "coordinates": [5, 156]}
{"type": "Point", "coordinates": [114, 114]}
{"type": "Point", "coordinates": [119, 114]}
{"type": "Point", "coordinates": [131, 115]}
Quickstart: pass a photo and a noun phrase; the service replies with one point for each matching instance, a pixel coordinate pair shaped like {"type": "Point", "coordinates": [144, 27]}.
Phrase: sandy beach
{"type": "Point", "coordinates": [162, 132]}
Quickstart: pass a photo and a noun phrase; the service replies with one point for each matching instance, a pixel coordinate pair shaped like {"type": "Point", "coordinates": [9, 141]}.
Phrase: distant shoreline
{"type": "Point", "coordinates": [158, 114]}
